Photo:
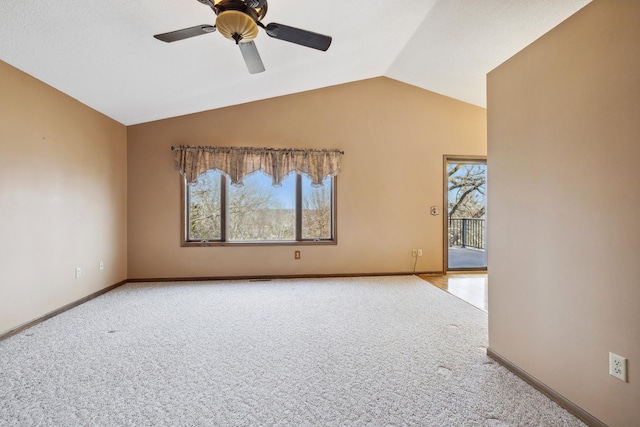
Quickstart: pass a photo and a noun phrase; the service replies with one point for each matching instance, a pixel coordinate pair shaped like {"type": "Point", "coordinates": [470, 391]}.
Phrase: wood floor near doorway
{"type": "Point", "coordinates": [470, 287]}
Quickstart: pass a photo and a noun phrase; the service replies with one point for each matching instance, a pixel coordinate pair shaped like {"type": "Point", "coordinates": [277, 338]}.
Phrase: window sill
{"type": "Point", "coordinates": [260, 243]}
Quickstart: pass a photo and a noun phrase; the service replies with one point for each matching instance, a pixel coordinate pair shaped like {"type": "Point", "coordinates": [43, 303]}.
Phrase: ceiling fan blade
{"type": "Point", "coordinates": [185, 33]}
{"type": "Point", "coordinates": [251, 57]}
{"type": "Point", "coordinates": [298, 36]}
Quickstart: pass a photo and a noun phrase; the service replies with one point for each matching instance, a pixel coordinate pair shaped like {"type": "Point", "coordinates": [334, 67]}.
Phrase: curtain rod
{"type": "Point", "coordinates": [174, 148]}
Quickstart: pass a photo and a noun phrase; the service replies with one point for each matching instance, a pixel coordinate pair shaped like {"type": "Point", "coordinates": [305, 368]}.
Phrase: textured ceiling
{"type": "Point", "coordinates": [103, 53]}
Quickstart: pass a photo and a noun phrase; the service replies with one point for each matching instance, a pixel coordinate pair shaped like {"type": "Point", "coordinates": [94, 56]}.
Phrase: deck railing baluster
{"type": "Point", "coordinates": [466, 232]}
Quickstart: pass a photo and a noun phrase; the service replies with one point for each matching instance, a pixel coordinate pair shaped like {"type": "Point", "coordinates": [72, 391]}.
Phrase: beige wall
{"type": "Point", "coordinates": [394, 137]}
{"type": "Point", "coordinates": [62, 199]}
{"type": "Point", "coordinates": [564, 203]}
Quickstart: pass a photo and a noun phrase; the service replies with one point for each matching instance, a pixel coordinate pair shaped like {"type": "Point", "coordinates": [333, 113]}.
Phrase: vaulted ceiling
{"type": "Point", "coordinates": [103, 53]}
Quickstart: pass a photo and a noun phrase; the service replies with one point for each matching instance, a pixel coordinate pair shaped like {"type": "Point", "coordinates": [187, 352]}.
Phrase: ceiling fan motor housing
{"type": "Point", "coordinates": [256, 9]}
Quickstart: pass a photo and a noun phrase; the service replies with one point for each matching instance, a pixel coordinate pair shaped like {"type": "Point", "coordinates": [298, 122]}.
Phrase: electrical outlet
{"type": "Point", "coordinates": [101, 266]}
{"type": "Point", "coordinates": [414, 253]}
{"type": "Point", "coordinates": [78, 272]}
{"type": "Point", "coordinates": [419, 252]}
{"type": "Point", "coordinates": [296, 254]}
{"type": "Point", "coordinates": [618, 366]}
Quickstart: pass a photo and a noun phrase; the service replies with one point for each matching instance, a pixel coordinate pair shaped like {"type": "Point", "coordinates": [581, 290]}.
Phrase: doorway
{"type": "Point", "coordinates": [465, 232]}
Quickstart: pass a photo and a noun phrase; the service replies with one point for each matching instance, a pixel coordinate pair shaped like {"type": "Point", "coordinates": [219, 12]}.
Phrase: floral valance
{"type": "Point", "coordinates": [238, 162]}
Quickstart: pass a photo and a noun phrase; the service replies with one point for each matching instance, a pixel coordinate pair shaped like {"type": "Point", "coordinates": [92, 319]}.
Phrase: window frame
{"type": "Point", "coordinates": [299, 241]}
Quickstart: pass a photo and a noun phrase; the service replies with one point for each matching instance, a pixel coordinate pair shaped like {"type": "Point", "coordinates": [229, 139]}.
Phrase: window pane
{"type": "Point", "coordinates": [204, 207]}
{"type": "Point", "coordinates": [259, 211]}
{"type": "Point", "coordinates": [316, 210]}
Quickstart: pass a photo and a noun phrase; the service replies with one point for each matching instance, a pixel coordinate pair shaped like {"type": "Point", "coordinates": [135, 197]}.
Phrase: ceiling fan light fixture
{"type": "Point", "coordinates": [237, 26]}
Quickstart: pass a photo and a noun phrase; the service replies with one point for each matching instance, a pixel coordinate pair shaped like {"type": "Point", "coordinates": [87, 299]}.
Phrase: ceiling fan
{"type": "Point", "coordinates": [239, 20]}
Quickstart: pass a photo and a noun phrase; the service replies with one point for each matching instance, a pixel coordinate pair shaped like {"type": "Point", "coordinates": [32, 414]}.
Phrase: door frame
{"type": "Point", "coordinates": [446, 159]}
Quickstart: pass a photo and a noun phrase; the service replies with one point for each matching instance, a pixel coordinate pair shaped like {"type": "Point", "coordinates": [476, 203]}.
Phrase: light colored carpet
{"type": "Point", "coordinates": [387, 351]}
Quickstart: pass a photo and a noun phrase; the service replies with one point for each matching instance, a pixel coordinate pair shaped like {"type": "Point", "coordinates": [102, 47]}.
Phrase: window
{"type": "Point", "coordinates": [218, 213]}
